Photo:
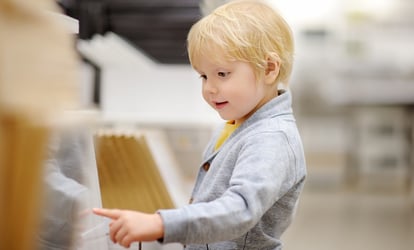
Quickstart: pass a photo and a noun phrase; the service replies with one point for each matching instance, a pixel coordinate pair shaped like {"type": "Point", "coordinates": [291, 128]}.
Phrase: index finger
{"type": "Point", "coordinates": [109, 213]}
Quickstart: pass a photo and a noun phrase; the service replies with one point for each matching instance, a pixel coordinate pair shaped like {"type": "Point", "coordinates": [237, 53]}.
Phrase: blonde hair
{"type": "Point", "coordinates": [244, 30]}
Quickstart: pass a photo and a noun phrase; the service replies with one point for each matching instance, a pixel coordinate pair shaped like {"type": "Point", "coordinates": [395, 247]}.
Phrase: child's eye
{"type": "Point", "coordinates": [223, 74]}
{"type": "Point", "coordinates": [204, 77]}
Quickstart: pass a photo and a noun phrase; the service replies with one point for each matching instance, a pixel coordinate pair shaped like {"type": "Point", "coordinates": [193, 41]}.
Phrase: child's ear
{"type": "Point", "coordinates": [272, 70]}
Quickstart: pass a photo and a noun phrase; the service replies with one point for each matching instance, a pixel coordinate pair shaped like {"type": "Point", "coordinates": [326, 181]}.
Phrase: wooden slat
{"type": "Point", "coordinates": [21, 166]}
{"type": "Point", "coordinates": [128, 175]}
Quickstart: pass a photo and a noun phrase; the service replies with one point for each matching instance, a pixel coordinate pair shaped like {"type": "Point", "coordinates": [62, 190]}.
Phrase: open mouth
{"type": "Point", "coordinates": [220, 105]}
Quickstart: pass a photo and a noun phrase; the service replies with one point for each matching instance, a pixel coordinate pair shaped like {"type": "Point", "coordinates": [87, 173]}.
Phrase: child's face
{"type": "Point", "coordinates": [232, 89]}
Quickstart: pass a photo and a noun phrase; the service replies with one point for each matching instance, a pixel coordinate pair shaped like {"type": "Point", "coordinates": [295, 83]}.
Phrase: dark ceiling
{"type": "Point", "coordinates": [157, 27]}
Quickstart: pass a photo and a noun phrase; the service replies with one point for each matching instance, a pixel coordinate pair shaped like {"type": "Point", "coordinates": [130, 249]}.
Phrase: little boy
{"type": "Point", "coordinates": [253, 169]}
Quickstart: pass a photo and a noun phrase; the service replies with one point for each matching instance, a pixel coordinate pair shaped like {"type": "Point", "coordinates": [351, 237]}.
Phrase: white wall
{"type": "Point", "coordinates": [136, 89]}
{"type": "Point", "coordinates": [161, 94]}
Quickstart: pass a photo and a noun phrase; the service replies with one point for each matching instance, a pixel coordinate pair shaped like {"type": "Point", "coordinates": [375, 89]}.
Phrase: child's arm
{"type": "Point", "coordinates": [131, 226]}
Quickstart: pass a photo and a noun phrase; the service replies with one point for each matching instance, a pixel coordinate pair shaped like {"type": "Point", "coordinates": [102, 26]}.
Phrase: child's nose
{"type": "Point", "coordinates": [210, 87]}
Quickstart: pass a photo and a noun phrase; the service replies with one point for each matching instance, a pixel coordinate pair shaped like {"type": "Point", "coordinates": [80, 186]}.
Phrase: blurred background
{"type": "Point", "coordinates": [353, 93]}
{"type": "Point", "coordinates": [353, 88]}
